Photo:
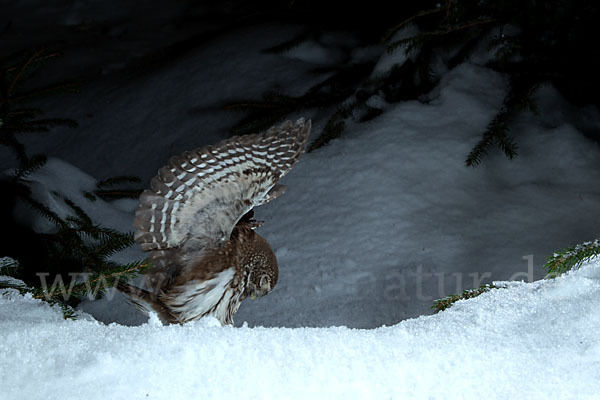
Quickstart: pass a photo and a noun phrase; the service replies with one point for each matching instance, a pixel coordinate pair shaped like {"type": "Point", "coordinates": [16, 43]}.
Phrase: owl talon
{"type": "Point", "coordinates": [248, 218]}
{"type": "Point", "coordinates": [256, 224]}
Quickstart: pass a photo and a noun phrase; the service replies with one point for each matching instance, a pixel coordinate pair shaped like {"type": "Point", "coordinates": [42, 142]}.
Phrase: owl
{"type": "Point", "coordinates": [197, 224]}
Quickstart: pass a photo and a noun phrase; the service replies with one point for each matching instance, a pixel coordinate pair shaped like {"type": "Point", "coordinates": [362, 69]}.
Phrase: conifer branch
{"type": "Point", "coordinates": [333, 129]}
{"type": "Point", "coordinates": [447, 302]}
{"type": "Point", "coordinates": [118, 194]}
{"type": "Point", "coordinates": [572, 257]}
{"type": "Point", "coordinates": [78, 245]}
{"type": "Point", "coordinates": [519, 98]}
{"type": "Point", "coordinates": [107, 194]}
{"type": "Point", "coordinates": [117, 180]}
{"type": "Point", "coordinates": [9, 266]}
{"type": "Point", "coordinates": [45, 211]}
{"type": "Point", "coordinates": [399, 26]}
{"type": "Point", "coordinates": [66, 87]}
{"type": "Point", "coordinates": [29, 165]}
{"type": "Point", "coordinates": [22, 71]}
{"type": "Point", "coordinates": [496, 133]}
{"type": "Point", "coordinates": [425, 35]}
{"type": "Point", "coordinates": [83, 220]}
{"type": "Point", "coordinates": [23, 113]}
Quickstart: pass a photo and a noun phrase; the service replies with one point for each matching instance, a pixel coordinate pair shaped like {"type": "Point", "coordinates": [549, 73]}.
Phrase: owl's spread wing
{"type": "Point", "coordinates": [200, 195]}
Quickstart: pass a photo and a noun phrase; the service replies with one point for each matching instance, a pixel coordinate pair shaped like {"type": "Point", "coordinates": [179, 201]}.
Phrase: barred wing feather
{"type": "Point", "coordinates": [202, 194]}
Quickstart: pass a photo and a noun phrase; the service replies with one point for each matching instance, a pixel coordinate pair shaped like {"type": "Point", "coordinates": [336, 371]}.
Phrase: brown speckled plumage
{"type": "Point", "coordinates": [197, 223]}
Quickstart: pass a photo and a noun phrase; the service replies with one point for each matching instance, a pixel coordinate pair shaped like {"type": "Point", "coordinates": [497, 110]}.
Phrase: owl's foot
{"type": "Point", "coordinates": [256, 224]}
{"type": "Point", "coordinates": [248, 218]}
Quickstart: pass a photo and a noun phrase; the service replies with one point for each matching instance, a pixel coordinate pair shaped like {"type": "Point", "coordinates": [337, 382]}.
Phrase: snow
{"type": "Point", "coordinates": [398, 56]}
{"type": "Point", "coordinates": [378, 225]}
{"type": "Point", "coordinates": [374, 226]}
{"type": "Point", "coordinates": [313, 52]}
{"type": "Point", "coordinates": [531, 340]}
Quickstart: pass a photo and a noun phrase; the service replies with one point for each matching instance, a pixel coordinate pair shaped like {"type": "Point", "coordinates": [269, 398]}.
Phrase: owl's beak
{"type": "Point", "coordinates": [253, 296]}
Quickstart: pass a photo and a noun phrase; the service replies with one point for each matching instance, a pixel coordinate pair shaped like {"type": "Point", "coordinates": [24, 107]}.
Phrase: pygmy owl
{"type": "Point", "coordinates": [197, 223]}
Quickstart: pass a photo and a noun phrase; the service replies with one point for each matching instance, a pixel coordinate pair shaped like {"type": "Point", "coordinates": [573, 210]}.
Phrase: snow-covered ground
{"type": "Point", "coordinates": [530, 341]}
{"type": "Point", "coordinates": [377, 225]}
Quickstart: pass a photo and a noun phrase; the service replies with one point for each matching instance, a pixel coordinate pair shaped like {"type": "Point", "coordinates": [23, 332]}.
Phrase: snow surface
{"type": "Point", "coordinates": [374, 226]}
{"type": "Point", "coordinates": [529, 341]}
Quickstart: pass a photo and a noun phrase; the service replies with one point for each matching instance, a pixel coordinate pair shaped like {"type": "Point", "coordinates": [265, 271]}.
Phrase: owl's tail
{"type": "Point", "coordinates": [147, 302]}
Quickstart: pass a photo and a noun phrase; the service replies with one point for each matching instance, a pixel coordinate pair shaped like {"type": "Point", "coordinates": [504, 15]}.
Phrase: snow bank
{"type": "Point", "coordinates": [532, 340]}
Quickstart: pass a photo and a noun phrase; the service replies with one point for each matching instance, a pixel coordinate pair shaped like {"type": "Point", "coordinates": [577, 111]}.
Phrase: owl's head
{"type": "Point", "coordinates": [263, 274]}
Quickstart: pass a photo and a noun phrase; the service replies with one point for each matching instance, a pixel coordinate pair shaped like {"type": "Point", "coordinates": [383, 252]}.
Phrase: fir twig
{"type": "Point", "coordinates": [496, 133]}
{"type": "Point", "coordinates": [117, 180]}
{"type": "Point", "coordinates": [572, 257]}
{"type": "Point", "coordinates": [104, 192]}
{"type": "Point", "coordinates": [442, 304]}
{"type": "Point", "coordinates": [333, 129]}
{"type": "Point", "coordinates": [519, 98]}
{"type": "Point", "coordinates": [23, 69]}
{"type": "Point", "coordinates": [82, 218]}
{"type": "Point", "coordinates": [425, 35]}
{"type": "Point", "coordinates": [9, 267]}
{"type": "Point", "coordinates": [45, 211]}
{"type": "Point", "coordinates": [29, 166]}
{"type": "Point", "coordinates": [118, 194]}
{"type": "Point", "coordinates": [399, 26]}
